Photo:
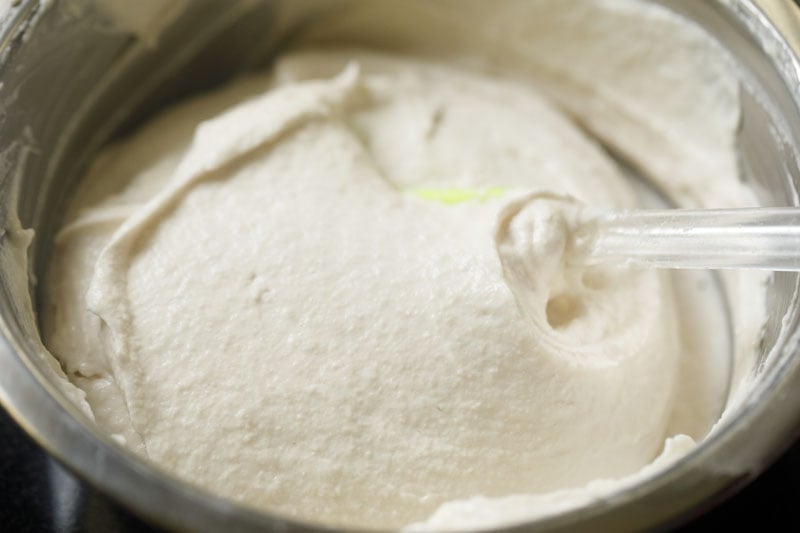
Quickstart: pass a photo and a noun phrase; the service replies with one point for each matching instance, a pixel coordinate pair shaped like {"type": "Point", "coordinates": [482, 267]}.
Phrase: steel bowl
{"type": "Point", "coordinates": [70, 81]}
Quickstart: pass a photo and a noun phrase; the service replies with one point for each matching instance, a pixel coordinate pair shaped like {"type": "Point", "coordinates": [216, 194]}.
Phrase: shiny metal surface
{"type": "Point", "coordinates": [74, 85]}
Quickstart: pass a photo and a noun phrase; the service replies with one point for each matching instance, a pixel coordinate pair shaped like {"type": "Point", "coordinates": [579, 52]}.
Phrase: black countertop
{"type": "Point", "coordinates": [38, 495]}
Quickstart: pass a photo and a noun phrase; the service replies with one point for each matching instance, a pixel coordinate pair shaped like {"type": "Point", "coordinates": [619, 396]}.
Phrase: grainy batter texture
{"type": "Point", "coordinates": [253, 295]}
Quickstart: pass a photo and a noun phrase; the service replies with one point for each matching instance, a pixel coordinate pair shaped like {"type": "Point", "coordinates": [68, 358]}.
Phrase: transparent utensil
{"type": "Point", "coordinates": [757, 238]}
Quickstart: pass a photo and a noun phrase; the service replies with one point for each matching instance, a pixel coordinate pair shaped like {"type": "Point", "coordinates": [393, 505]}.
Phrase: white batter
{"type": "Point", "coordinates": [253, 297]}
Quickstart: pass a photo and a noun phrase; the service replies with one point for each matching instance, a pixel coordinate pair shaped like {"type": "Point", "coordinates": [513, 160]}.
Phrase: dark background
{"type": "Point", "coordinates": [38, 495]}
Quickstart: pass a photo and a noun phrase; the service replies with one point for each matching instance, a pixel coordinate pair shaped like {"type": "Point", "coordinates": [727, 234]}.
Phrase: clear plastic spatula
{"type": "Point", "coordinates": [757, 238]}
{"type": "Point", "coordinates": [752, 238]}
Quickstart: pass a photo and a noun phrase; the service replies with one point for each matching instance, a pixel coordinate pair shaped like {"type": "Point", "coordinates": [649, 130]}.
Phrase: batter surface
{"type": "Point", "coordinates": [256, 292]}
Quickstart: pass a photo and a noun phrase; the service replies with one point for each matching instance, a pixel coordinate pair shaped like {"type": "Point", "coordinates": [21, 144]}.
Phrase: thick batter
{"type": "Point", "coordinates": [256, 292]}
